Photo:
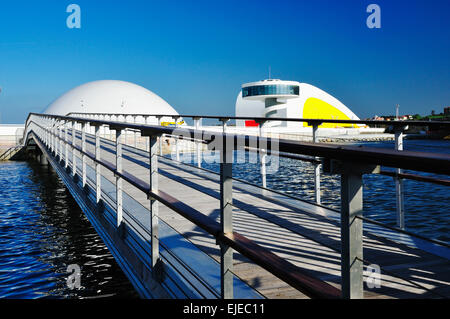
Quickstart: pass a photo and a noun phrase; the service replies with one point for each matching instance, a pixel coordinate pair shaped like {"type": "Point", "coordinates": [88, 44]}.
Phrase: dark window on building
{"type": "Point", "coordinates": [280, 89]}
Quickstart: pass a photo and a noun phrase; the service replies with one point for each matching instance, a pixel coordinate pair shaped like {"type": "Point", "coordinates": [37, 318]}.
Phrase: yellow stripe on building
{"type": "Point", "coordinates": [315, 108]}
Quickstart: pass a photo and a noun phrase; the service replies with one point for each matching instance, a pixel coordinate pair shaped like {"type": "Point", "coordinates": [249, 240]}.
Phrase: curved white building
{"type": "Point", "coordinates": [110, 96]}
{"type": "Point", "coordinates": [289, 99]}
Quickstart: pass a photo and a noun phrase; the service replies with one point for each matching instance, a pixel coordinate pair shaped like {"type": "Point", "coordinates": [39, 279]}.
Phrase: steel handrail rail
{"type": "Point", "coordinates": [266, 119]}
{"type": "Point", "coordinates": [413, 160]}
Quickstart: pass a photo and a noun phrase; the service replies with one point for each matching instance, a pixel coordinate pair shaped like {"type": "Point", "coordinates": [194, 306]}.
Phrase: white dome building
{"type": "Point", "coordinates": [110, 96]}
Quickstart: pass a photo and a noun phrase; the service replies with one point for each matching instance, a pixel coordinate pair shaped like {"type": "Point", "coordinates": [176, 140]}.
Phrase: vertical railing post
{"type": "Point", "coordinates": [317, 166]}
{"type": "Point", "coordinates": [352, 225]}
{"type": "Point", "coordinates": [59, 140]}
{"type": "Point", "coordinates": [177, 142]}
{"type": "Point", "coordinates": [109, 128]}
{"type": "Point", "coordinates": [98, 176]}
{"type": "Point", "coordinates": [83, 150]}
{"type": "Point", "coordinates": [351, 236]}
{"type": "Point", "coordinates": [66, 146]}
{"type": "Point", "coordinates": [47, 133]}
{"type": "Point", "coordinates": [197, 124]}
{"type": "Point", "coordinates": [154, 219]}
{"type": "Point", "coordinates": [399, 190]}
{"type": "Point", "coordinates": [135, 132]}
{"type": "Point", "coordinates": [52, 136]}
{"type": "Point", "coordinates": [226, 219]}
{"type": "Point", "coordinates": [74, 156]}
{"type": "Point", "coordinates": [160, 138]}
{"type": "Point", "coordinates": [147, 145]}
{"type": "Point", "coordinates": [118, 178]}
{"type": "Point", "coordinates": [125, 130]}
{"type": "Point", "coordinates": [55, 132]}
{"type": "Point", "coordinates": [224, 125]}
{"type": "Point", "coordinates": [262, 155]}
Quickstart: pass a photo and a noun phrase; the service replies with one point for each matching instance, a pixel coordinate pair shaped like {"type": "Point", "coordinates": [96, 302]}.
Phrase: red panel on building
{"type": "Point", "coordinates": [251, 123]}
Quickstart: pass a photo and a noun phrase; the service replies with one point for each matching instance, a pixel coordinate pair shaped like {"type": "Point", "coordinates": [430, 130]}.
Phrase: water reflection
{"type": "Point", "coordinates": [42, 231]}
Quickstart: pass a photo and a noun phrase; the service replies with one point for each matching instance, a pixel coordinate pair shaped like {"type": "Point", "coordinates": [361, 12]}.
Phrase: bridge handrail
{"type": "Point", "coordinates": [283, 119]}
{"type": "Point", "coordinates": [419, 161]}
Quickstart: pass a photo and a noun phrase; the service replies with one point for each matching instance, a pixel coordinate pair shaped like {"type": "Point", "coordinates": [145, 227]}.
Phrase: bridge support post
{"type": "Point", "coordinates": [154, 216]}
{"type": "Point", "coordinates": [316, 166]}
{"type": "Point", "coordinates": [118, 178]}
{"type": "Point", "coordinates": [399, 190]}
{"type": "Point", "coordinates": [43, 160]}
{"type": "Point", "coordinates": [226, 219]}
{"type": "Point", "coordinates": [351, 224]}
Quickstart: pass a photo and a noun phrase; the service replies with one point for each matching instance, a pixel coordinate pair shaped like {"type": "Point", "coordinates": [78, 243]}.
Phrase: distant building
{"type": "Point", "coordinates": [113, 97]}
{"type": "Point", "coordinates": [289, 99]}
{"type": "Point", "coordinates": [447, 110]}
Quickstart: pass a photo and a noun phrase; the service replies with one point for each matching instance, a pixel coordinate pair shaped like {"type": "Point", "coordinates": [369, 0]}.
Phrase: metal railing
{"type": "Point", "coordinates": [398, 127]}
{"type": "Point", "coordinates": [9, 152]}
{"type": "Point", "coordinates": [349, 161]}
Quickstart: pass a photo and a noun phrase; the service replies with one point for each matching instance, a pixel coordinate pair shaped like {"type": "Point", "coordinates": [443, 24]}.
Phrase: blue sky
{"type": "Point", "coordinates": [196, 54]}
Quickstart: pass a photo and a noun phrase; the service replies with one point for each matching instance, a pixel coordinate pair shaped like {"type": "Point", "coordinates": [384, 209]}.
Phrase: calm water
{"type": "Point", "coordinates": [42, 230]}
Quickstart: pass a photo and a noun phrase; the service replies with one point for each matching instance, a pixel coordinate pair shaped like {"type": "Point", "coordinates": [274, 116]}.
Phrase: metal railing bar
{"type": "Point", "coordinates": [402, 231]}
{"type": "Point", "coordinates": [249, 183]}
{"type": "Point", "coordinates": [259, 119]}
{"type": "Point", "coordinates": [420, 161]}
{"type": "Point", "coordinates": [280, 267]}
{"type": "Point", "coordinates": [427, 179]}
{"type": "Point", "coordinates": [286, 155]}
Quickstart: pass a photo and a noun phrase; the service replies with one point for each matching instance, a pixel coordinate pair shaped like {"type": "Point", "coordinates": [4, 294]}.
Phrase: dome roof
{"type": "Point", "coordinates": [110, 96]}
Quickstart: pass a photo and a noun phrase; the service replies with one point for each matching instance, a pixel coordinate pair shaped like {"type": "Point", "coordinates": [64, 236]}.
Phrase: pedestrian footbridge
{"type": "Point", "coordinates": [179, 230]}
